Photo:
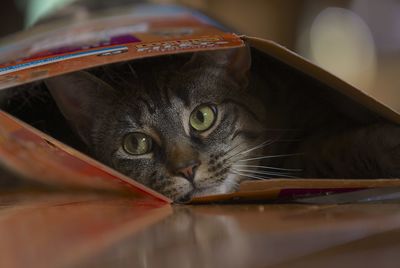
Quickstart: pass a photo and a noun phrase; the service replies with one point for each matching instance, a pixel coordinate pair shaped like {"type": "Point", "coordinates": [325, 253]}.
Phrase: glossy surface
{"type": "Point", "coordinates": [87, 230]}
{"type": "Point", "coordinates": [63, 229]}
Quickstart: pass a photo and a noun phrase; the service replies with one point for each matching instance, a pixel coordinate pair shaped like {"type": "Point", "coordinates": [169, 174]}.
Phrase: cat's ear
{"type": "Point", "coordinates": [80, 96]}
{"type": "Point", "coordinates": [236, 61]}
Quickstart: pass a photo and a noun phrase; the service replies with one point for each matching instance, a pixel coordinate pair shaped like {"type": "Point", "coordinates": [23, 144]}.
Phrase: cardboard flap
{"type": "Point", "coordinates": [349, 92]}
{"type": "Point", "coordinates": [52, 48]}
{"type": "Point", "coordinates": [37, 157]}
{"type": "Point", "coordinates": [284, 190]}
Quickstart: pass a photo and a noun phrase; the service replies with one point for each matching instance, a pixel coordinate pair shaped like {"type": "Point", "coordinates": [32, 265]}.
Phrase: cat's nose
{"type": "Point", "coordinates": [189, 171]}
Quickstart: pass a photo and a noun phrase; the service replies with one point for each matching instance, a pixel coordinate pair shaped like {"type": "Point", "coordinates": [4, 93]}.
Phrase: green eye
{"type": "Point", "coordinates": [137, 143]}
{"type": "Point", "coordinates": [203, 117]}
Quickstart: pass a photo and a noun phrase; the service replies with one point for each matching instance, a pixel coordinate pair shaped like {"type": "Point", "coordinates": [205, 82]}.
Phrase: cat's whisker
{"type": "Point", "coordinates": [267, 167]}
{"type": "Point", "coordinates": [250, 176]}
{"type": "Point", "coordinates": [265, 143]}
{"type": "Point", "coordinates": [233, 148]}
{"type": "Point", "coordinates": [233, 155]}
{"type": "Point", "coordinates": [255, 172]}
{"type": "Point", "coordinates": [269, 156]}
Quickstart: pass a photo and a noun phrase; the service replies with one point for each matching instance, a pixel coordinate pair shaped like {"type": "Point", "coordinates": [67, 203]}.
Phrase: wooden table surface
{"type": "Point", "coordinates": [91, 230]}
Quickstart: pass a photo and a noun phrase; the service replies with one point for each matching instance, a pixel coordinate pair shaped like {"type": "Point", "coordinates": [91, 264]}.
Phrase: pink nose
{"type": "Point", "coordinates": [188, 172]}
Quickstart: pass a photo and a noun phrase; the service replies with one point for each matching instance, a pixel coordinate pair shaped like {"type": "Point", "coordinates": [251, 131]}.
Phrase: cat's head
{"type": "Point", "coordinates": [178, 124]}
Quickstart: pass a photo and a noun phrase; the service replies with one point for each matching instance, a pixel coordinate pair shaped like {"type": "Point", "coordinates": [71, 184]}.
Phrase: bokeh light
{"type": "Point", "coordinates": [342, 43]}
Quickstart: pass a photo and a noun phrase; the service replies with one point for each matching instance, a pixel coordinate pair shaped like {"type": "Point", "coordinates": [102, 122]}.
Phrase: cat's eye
{"type": "Point", "coordinates": [137, 143]}
{"type": "Point", "coordinates": [203, 117]}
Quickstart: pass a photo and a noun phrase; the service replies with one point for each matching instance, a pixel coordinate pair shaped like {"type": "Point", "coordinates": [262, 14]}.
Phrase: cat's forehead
{"type": "Point", "coordinates": [190, 88]}
{"type": "Point", "coordinates": [201, 86]}
{"type": "Point", "coordinates": [153, 111]}
{"type": "Point", "coordinates": [158, 96]}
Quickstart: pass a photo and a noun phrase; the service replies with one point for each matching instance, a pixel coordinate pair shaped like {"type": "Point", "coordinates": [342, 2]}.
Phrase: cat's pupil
{"type": "Point", "coordinates": [134, 143]}
{"type": "Point", "coordinates": [200, 116]}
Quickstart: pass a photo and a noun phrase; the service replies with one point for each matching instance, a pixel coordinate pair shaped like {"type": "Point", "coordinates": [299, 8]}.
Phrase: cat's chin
{"type": "Point", "coordinates": [228, 186]}
{"type": "Point", "coordinates": [198, 193]}
{"type": "Point", "coordinates": [209, 191]}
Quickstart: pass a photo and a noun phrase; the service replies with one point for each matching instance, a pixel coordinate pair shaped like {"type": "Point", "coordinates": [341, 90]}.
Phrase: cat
{"type": "Point", "coordinates": [198, 124]}
{"type": "Point", "coordinates": [170, 123]}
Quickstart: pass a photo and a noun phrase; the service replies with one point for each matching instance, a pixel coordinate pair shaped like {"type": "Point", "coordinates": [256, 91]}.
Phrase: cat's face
{"type": "Point", "coordinates": [181, 132]}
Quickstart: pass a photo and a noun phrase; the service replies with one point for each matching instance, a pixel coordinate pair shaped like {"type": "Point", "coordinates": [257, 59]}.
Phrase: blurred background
{"type": "Point", "coordinates": [357, 40]}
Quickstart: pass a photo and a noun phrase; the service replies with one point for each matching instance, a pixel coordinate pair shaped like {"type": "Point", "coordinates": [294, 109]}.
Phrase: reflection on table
{"type": "Point", "coordinates": [89, 230]}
